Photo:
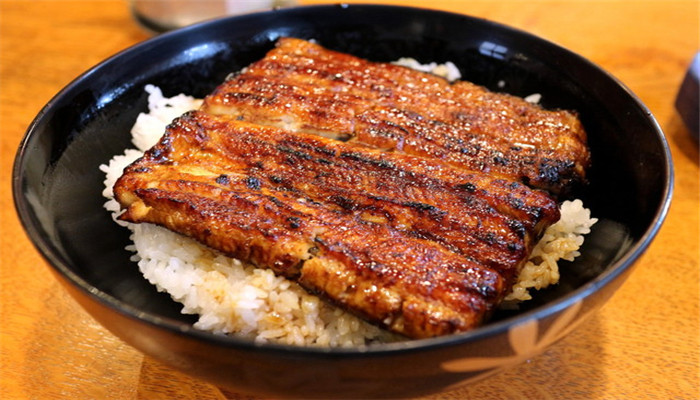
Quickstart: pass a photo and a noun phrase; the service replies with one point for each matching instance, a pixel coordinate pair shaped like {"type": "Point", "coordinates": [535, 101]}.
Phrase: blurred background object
{"type": "Point", "coordinates": [159, 16]}
{"type": "Point", "coordinates": [688, 99]}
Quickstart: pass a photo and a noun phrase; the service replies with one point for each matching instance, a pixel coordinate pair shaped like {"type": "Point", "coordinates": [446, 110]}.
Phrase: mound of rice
{"type": "Point", "coordinates": [233, 297]}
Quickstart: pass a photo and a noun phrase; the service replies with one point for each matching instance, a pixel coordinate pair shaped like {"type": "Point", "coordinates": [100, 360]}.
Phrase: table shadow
{"type": "Point", "coordinates": [677, 132]}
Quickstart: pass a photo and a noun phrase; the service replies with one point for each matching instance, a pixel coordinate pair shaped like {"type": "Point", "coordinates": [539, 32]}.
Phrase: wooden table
{"type": "Point", "coordinates": [642, 345]}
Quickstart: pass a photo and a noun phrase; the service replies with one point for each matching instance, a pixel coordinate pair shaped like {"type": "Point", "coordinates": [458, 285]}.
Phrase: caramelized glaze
{"type": "Point", "coordinates": [304, 87]}
{"type": "Point", "coordinates": [407, 242]}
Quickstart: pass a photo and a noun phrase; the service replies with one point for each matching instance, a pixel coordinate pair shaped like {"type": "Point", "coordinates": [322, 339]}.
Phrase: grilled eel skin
{"type": "Point", "coordinates": [408, 243]}
{"type": "Point", "coordinates": [302, 86]}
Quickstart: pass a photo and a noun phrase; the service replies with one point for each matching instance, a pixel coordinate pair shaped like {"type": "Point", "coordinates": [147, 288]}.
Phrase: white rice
{"type": "Point", "coordinates": [447, 70]}
{"type": "Point", "coordinates": [232, 297]}
{"type": "Point", "coordinates": [561, 241]}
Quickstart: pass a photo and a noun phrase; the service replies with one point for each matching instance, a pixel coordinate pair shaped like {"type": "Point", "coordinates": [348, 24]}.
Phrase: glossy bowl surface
{"type": "Point", "coordinates": [57, 187]}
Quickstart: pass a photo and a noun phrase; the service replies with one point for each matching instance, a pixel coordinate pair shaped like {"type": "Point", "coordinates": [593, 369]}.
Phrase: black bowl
{"type": "Point", "coordinates": [57, 188]}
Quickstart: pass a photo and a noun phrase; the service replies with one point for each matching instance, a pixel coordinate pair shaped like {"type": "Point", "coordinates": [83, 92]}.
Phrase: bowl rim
{"type": "Point", "coordinates": [59, 264]}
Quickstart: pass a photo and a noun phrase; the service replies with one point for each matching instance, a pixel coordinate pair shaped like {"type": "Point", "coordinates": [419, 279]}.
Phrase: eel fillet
{"type": "Point", "coordinates": [304, 87]}
{"type": "Point", "coordinates": [410, 243]}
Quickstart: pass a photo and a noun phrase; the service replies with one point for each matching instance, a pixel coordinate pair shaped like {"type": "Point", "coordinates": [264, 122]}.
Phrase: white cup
{"type": "Point", "coordinates": [163, 15]}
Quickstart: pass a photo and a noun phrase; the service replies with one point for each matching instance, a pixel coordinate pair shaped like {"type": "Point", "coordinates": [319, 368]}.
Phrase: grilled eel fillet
{"type": "Point", "coordinates": [304, 87]}
{"type": "Point", "coordinates": [408, 243]}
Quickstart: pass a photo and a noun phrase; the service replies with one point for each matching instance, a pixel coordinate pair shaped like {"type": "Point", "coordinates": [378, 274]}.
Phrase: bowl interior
{"type": "Point", "coordinates": [58, 184]}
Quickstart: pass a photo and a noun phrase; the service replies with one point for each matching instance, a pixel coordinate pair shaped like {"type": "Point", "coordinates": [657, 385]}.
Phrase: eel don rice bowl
{"type": "Point", "coordinates": [232, 297]}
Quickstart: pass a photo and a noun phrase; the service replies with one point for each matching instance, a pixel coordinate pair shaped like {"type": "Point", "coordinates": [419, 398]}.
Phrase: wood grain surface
{"type": "Point", "coordinates": [644, 344]}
